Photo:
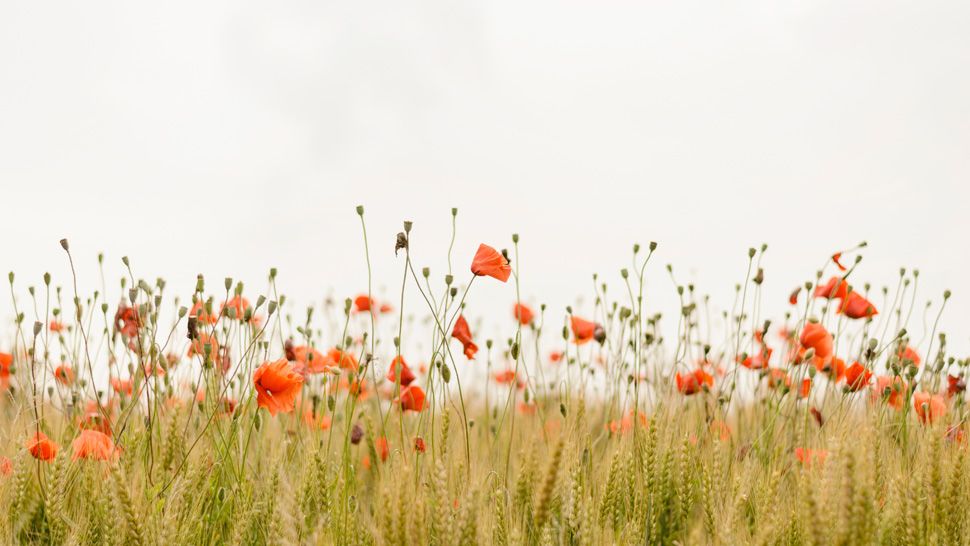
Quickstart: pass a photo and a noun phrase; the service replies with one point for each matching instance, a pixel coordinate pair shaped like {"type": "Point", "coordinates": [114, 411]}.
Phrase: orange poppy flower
{"type": "Point", "coordinates": [778, 378]}
{"type": "Point", "coordinates": [197, 347]}
{"type": "Point", "coordinates": [793, 297]}
{"type": "Point", "coordinates": [344, 359]}
{"type": "Point", "coordinates": [462, 333]}
{"type": "Point", "coordinates": [810, 457]}
{"type": "Point", "coordinates": [833, 367]}
{"type": "Point", "coordinates": [508, 377]}
{"type": "Point", "coordinates": [91, 444]}
{"type": "Point", "coordinates": [277, 386]}
{"type": "Point", "coordinates": [523, 314]}
{"type": "Point", "coordinates": [929, 407]}
{"type": "Point", "coordinates": [892, 389]}
{"type": "Point", "coordinates": [198, 311]}
{"type": "Point", "coordinates": [583, 330]}
{"type": "Point", "coordinates": [625, 425]}
{"type": "Point", "coordinates": [721, 429]}
{"type": "Point", "coordinates": [382, 447]}
{"type": "Point", "coordinates": [806, 388]}
{"type": "Point", "coordinates": [56, 326]}
{"type": "Point", "coordinates": [815, 336]}
{"type": "Point", "coordinates": [855, 306]}
{"type": "Point", "coordinates": [694, 382]}
{"type": "Point", "coordinates": [64, 374]}
{"type": "Point", "coordinates": [42, 447]}
{"type": "Point", "coordinates": [555, 356]}
{"type": "Point", "coordinates": [6, 363]}
{"type": "Point", "coordinates": [122, 386]}
{"type": "Point", "coordinates": [857, 377]}
{"type": "Point", "coordinates": [400, 367]}
{"type": "Point", "coordinates": [238, 304]}
{"type": "Point", "coordinates": [6, 466]}
{"type": "Point", "coordinates": [489, 262]}
{"type": "Point", "coordinates": [835, 288]}
{"type": "Point", "coordinates": [312, 360]}
{"type": "Point", "coordinates": [419, 444]}
{"type": "Point", "coordinates": [910, 355]}
{"type": "Point", "coordinates": [526, 408]}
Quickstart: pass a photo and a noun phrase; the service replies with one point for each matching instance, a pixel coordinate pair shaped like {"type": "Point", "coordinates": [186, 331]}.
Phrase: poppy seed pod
{"type": "Point", "coordinates": [65, 245]}
{"type": "Point", "coordinates": [360, 210]}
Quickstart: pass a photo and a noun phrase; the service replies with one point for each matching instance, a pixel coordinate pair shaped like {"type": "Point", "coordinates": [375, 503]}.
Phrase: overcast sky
{"type": "Point", "coordinates": [229, 137]}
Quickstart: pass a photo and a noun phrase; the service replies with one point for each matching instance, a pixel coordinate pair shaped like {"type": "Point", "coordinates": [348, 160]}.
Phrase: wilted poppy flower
{"type": "Point", "coordinates": [462, 333]}
{"type": "Point", "coordinates": [955, 384]}
{"type": "Point", "coordinates": [277, 386]}
{"type": "Point", "coordinates": [344, 359]}
{"type": "Point", "coordinates": [694, 382]}
{"type": "Point", "coordinates": [64, 374]}
{"type": "Point", "coordinates": [583, 330]}
{"type": "Point", "coordinates": [489, 262]}
{"type": "Point", "coordinates": [909, 355]}
{"type": "Point", "coordinates": [855, 306]}
{"type": "Point", "coordinates": [399, 366]}
{"type": "Point", "coordinates": [122, 386]}
{"type": "Point", "coordinates": [356, 434]}
{"type": "Point", "coordinates": [126, 321]}
{"type": "Point", "coordinates": [419, 444]}
{"type": "Point", "coordinates": [41, 447]}
{"type": "Point", "coordinates": [817, 415]}
{"type": "Point", "coordinates": [815, 336]}
{"type": "Point", "coordinates": [835, 288]}
{"type": "Point", "coordinates": [363, 303]}
{"type": "Point", "coordinates": [810, 457]}
{"type": "Point", "coordinates": [523, 314]}
{"type": "Point", "coordinates": [92, 444]}
{"type": "Point", "coordinates": [891, 389]}
{"type": "Point", "coordinates": [929, 407]}
{"type": "Point", "coordinates": [857, 377]}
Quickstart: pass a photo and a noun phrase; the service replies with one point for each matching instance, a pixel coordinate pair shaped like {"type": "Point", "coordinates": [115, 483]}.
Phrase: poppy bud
{"type": "Point", "coordinates": [454, 291]}
{"type": "Point", "coordinates": [751, 252]}
{"type": "Point", "coordinates": [257, 421]}
{"type": "Point", "coordinates": [514, 351]}
{"type": "Point", "coordinates": [426, 272]}
{"type": "Point", "coordinates": [636, 247]}
{"type": "Point", "coordinates": [445, 373]}
{"type": "Point", "coordinates": [331, 403]}
{"type": "Point", "coordinates": [454, 211]}
{"type": "Point", "coordinates": [448, 280]}
{"type": "Point", "coordinates": [562, 409]}
{"type": "Point", "coordinates": [946, 294]}
{"type": "Point", "coordinates": [64, 245]}
{"type": "Point", "coordinates": [360, 210]}
{"type": "Point", "coordinates": [652, 246]}
{"type": "Point", "coordinates": [37, 328]}
{"type": "Point", "coordinates": [104, 307]}
{"type": "Point", "coordinates": [565, 332]}
{"type": "Point", "coordinates": [624, 273]}
{"type": "Point", "coordinates": [228, 283]}
{"type": "Point", "coordinates": [10, 277]}
{"type": "Point", "coordinates": [515, 237]}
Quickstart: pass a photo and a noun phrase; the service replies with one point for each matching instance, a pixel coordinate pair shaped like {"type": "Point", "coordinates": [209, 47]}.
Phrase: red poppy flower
{"type": "Point", "coordinates": [806, 388]}
{"type": "Point", "coordinates": [42, 447]}
{"type": "Point", "coordinates": [778, 378]}
{"type": "Point", "coordinates": [758, 361]}
{"type": "Point", "coordinates": [383, 450]}
{"type": "Point", "coordinates": [555, 356]}
{"type": "Point", "coordinates": [793, 297]}
{"type": "Point", "coordinates": [835, 288]}
{"type": "Point", "coordinates": [836, 259]}
{"type": "Point", "coordinates": [56, 326]}
{"type": "Point", "coordinates": [419, 444]}
{"type": "Point", "coordinates": [857, 377]}
{"type": "Point", "coordinates": [64, 374]}
{"type": "Point", "coordinates": [583, 330]}
{"type": "Point", "coordinates": [489, 262]}
{"type": "Point", "coordinates": [277, 386]}
{"type": "Point", "coordinates": [362, 303]}
{"type": "Point", "coordinates": [92, 444]}
{"type": "Point", "coordinates": [508, 377]}
{"type": "Point", "coordinates": [815, 336]}
{"type": "Point", "coordinates": [929, 407]}
{"type": "Point", "coordinates": [238, 304]}
{"type": "Point", "coordinates": [198, 346]}
{"type": "Point", "coordinates": [6, 466]}
{"type": "Point", "coordinates": [625, 425]}
{"type": "Point", "coordinates": [126, 321]}
{"type": "Point", "coordinates": [694, 382]}
{"type": "Point", "coordinates": [406, 375]}
{"type": "Point", "coordinates": [462, 333]}
{"type": "Point", "coordinates": [201, 315]}
{"type": "Point", "coordinates": [955, 384]}
{"type": "Point", "coordinates": [810, 457]}
{"type": "Point", "coordinates": [523, 314]}
{"type": "Point", "coordinates": [855, 306]}
{"type": "Point", "coordinates": [386, 308]}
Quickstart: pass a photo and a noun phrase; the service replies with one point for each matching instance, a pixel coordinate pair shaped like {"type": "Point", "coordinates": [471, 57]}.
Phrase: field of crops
{"type": "Point", "coordinates": [228, 415]}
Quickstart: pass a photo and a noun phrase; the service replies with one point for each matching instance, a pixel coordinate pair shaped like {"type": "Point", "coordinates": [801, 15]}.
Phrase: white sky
{"type": "Point", "coordinates": [229, 137]}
